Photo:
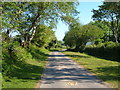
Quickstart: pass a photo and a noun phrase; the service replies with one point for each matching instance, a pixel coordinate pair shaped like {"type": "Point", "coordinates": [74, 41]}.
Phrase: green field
{"type": "Point", "coordinates": [106, 70]}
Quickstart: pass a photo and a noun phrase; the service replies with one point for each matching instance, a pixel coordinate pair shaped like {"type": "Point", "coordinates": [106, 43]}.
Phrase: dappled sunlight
{"type": "Point", "coordinates": [107, 70]}
{"type": "Point", "coordinates": [61, 71]}
{"type": "Point", "coordinates": [35, 33]}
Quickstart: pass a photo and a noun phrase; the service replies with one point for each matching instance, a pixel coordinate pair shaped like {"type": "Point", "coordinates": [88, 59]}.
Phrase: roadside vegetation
{"type": "Point", "coordinates": [103, 34]}
{"type": "Point", "coordinates": [107, 50]}
{"type": "Point", "coordinates": [102, 55]}
{"type": "Point", "coordinates": [105, 69]}
{"type": "Point", "coordinates": [27, 38]}
{"type": "Point", "coordinates": [23, 68]}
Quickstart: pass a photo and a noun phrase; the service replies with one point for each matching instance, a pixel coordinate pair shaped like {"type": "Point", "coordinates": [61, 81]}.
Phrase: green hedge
{"type": "Point", "coordinates": [108, 50]}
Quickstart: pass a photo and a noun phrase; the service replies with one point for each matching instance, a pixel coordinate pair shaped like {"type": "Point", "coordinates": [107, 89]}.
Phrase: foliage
{"type": "Point", "coordinates": [79, 36]}
{"type": "Point", "coordinates": [24, 18]}
{"type": "Point", "coordinates": [109, 12]}
{"type": "Point", "coordinates": [59, 44]}
{"type": "Point", "coordinates": [68, 39]}
{"type": "Point", "coordinates": [107, 70]}
{"type": "Point", "coordinates": [106, 30]}
{"type": "Point", "coordinates": [108, 50]}
{"type": "Point", "coordinates": [24, 55]}
{"type": "Point", "coordinates": [43, 36]}
{"type": "Point", "coordinates": [22, 67]}
{"type": "Point", "coordinates": [12, 55]}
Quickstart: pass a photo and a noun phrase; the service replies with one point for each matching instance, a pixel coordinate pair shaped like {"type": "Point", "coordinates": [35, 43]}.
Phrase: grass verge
{"type": "Point", "coordinates": [107, 70]}
{"type": "Point", "coordinates": [27, 74]}
{"type": "Point", "coordinates": [55, 49]}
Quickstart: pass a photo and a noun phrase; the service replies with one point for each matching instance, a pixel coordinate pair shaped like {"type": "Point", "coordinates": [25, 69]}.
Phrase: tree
{"type": "Point", "coordinates": [43, 36]}
{"type": "Point", "coordinates": [28, 15]}
{"type": "Point", "coordinates": [68, 39]}
{"type": "Point", "coordinates": [109, 12]}
{"type": "Point", "coordinates": [52, 44]}
{"type": "Point", "coordinates": [11, 17]}
{"type": "Point", "coordinates": [107, 32]}
{"type": "Point", "coordinates": [79, 37]}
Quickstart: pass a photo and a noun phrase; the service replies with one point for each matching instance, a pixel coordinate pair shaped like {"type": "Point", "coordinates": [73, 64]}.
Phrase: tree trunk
{"type": "Point", "coordinates": [114, 29]}
{"type": "Point", "coordinates": [77, 47]}
{"type": "Point", "coordinates": [116, 38]}
{"type": "Point", "coordinates": [33, 33]}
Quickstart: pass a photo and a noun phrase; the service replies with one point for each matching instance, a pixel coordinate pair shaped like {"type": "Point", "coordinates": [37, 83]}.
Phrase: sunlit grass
{"type": "Point", "coordinates": [107, 70]}
{"type": "Point", "coordinates": [27, 74]}
{"type": "Point", "coordinates": [0, 81]}
{"type": "Point", "coordinates": [56, 49]}
{"type": "Point", "coordinates": [27, 77]}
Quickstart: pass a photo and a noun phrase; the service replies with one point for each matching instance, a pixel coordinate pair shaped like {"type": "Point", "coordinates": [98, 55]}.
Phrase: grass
{"type": "Point", "coordinates": [0, 81]}
{"type": "Point", "coordinates": [107, 70]}
{"type": "Point", "coordinates": [27, 74]}
{"type": "Point", "coordinates": [55, 49]}
{"type": "Point", "coordinates": [27, 77]}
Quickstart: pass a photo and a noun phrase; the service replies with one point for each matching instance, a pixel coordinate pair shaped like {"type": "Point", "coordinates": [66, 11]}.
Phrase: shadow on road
{"type": "Point", "coordinates": [62, 68]}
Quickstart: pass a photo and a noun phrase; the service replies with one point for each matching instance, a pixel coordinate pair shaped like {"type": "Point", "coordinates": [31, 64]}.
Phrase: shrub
{"type": "Point", "coordinates": [21, 54]}
{"type": "Point", "coordinates": [110, 44]}
{"type": "Point", "coordinates": [13, 55]}
{"type": "Point", "coordinates": [100, 45]}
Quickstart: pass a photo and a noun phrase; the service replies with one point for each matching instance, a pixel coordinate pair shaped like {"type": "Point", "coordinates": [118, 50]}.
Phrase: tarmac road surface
{"type": "Point", "coordinates": [62, 72]}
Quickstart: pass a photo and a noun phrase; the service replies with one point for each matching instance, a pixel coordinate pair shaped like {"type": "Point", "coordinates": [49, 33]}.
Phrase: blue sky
{"type": "Point", "coordinates": [85, 15]}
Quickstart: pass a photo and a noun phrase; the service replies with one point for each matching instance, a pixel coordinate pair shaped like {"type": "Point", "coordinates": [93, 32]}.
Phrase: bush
{"type": "Point", "coordinates": [100, 45]}
{"type": "Point", "coordinates": [21, 54]}
{"type": "Point", "coordinates": [111, 44]}
{"type": "Point", "coordinates": [13, 55]}
{"type": "Point", "coordinates": [22, 67]}
{"type": "Point", "coordinates": [38, 53]}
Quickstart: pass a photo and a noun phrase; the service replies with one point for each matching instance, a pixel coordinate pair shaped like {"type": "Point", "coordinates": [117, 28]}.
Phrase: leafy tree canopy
{"type": "Point", "coordinates": [78, 37]}
{"type": "Point", "coordinates": [24, 17]}
{"type": "Point", "coordinates": [109, 12]}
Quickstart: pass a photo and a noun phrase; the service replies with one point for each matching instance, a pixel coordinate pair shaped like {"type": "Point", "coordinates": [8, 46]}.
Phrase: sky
{"type": "Point", "coordinates": [85, 15]}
